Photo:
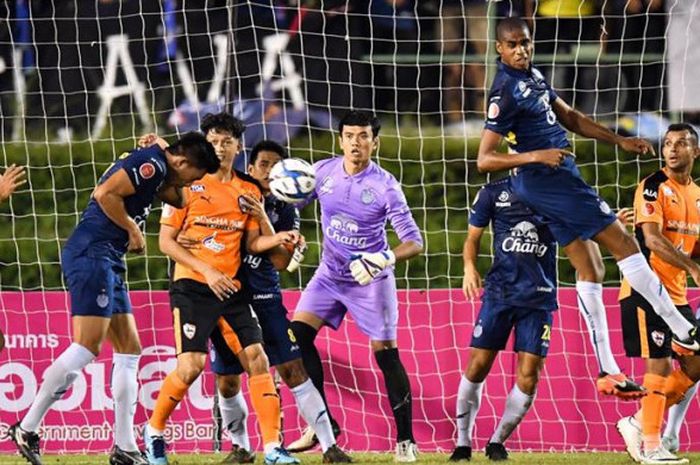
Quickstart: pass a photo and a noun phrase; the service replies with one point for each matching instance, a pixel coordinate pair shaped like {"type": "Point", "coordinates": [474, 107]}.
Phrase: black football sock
{"type": "Point", "coordinates": [305, 336]}
{"type": "Point", "coordinates": [399, 390]}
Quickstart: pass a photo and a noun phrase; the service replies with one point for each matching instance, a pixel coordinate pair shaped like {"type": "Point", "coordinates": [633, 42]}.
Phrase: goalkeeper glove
{"type": "Point", "coordinates": [366, 266]}
{"type": "Point", "coordinates": [297, 258]}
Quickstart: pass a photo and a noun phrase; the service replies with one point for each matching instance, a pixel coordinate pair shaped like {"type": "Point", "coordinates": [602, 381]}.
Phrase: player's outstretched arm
{"type": "Point", "coordinates": [490, 159]}
{"type": "Point", "coordinates": [11, 180]}
{"type": "Point", "coordinates": [664, 249]}
{"type": "Point", "coordinates": [110, 197]}
{"type": "Point", "coordinates": [471, 283]}
{"type": "Point", "coordinates": [583, 125]}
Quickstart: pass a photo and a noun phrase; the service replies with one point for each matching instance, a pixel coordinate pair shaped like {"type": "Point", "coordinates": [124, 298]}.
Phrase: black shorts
{"type": "Point", "coordinates": [198, 315]}
{"type": "Point", "coordinates": [645, 333]}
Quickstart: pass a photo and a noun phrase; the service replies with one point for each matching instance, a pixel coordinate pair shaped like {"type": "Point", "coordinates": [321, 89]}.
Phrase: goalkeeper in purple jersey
{"type": "Point", "coordinates": [356, 273]}
{"type": "Point", "coordinates": [525, 111]}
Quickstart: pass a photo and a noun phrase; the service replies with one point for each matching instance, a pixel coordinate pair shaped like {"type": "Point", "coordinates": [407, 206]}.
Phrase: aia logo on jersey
{"type": "Point", "coordinates": [147, 170]}
{"type": "Point", "coordinates": [648, 209]}
{"type": "Point", "coordinates": [197, 188]}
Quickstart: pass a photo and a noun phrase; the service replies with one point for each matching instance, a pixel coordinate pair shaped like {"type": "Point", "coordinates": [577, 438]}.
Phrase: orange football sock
{"type": "Point", "coordinates": [652, 413]}
{"type": "Point", "coordinates": [266, 404]}
{"type": "Point", "coordinates": [171, 393]}
{"type": "Point", "coordinates": [676, 386]}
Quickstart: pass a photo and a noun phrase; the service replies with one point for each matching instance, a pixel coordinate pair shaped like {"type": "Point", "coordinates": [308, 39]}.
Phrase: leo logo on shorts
{"type": "Point", "coordinates": [604, 207]}
{"type": "Point", "coordinates": [478, 330]}
{"type": "Point", "coordinates": [147, 170]}
{"type": "Point", "coordinates": [189, 330]}
{"type": "Point", "coordinates": [658, 337]}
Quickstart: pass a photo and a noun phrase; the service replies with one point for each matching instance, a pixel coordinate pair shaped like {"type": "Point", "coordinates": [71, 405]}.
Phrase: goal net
{"type": "Point", "coordinates": [80, 81]}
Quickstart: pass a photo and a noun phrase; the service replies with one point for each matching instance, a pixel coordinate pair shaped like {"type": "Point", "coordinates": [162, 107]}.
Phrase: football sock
{"type": "Point", "coordinates": [305, 336]}
{"type": "Point", "coordinates": [171, 393]}
{"type": "Point", "coordinates": [266, 403]}
{"type": "Point", "coordinates": [517, 405]}
{"type": "Point", "coordinates": [468, 402]}
{"type": "Point", "coordinates": [643, 280]}
{"type": "Point", "coordinates": [676, 414]}
{"type": "Point", "coordinates": [398, 389]}
{"type": "Point", "coordinates": [234, 413]}
{"type": "Point", "coordinates": [590, 304]}
{"type": "Point", "coordinates": [125, 391]}
{"type": "Point", "coordinates": [652, 413]}
{"type": "Point", "coordinates": [677, 384]}
{"type": "Point", "coordinates": [312, 408]}
{"type": "Point", "coordinates": [57, 379]}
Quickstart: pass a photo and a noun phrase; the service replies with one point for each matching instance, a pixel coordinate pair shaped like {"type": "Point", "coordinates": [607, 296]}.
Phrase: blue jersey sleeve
{"type": "Point", "coordinates": [481, 211]}
{"type": "Point", "coordinates": [288, 220]}
{"type": "Point", "coordinates": [145, 170]}
{"type": "Point", "coordinates": [502, 109]}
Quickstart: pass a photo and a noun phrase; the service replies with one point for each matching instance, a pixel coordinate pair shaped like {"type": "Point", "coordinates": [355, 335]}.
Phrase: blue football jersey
{"type": "Point", "coordinates": [258, 274]}
{"type": "Point", "coordinates": [95, 232]}
{"type": "Point", "coordinates": [523, 272]}
{"type": "Point", "coordinates": [520, 109]}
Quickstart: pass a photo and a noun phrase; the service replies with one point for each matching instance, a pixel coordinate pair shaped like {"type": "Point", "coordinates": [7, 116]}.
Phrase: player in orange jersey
{"type": "Point", "coordinates": [667, 219]}
{"type": "Point", "coordinates": [204, 294]}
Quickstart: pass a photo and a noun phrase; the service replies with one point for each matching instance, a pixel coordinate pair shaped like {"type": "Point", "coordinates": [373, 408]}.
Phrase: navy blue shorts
{"type": "Point", "coordinates": [95, 284]}
{"type": "Point", "coordinates": [278, 339]}
{"type": "Point", "coordinates": [571, 208]}
{"type": "Point", "coordinates": [533, 328]}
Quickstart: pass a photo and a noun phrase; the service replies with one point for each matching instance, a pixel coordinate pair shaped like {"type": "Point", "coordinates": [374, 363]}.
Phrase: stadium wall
{"type": "Point", "coordinates": [435, 328]}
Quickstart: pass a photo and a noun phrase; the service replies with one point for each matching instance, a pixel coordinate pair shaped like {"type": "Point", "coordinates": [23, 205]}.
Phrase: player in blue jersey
{"type": "Point", "coordinates": [261, 285]}
{"type": "Point", "coordinates": [525, 111]}
{"type": "Point", "coordinates": [93, 267]}
{"type": "Point", "coordinates": [356, 274]}
{"type": "Point", "coordinates": [520, 295]}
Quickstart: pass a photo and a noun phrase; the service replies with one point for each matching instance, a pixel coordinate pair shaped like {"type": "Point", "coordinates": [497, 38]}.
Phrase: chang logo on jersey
{"type": "Point", "coordinates": [343, 229]}
{"type": "Point", "coordinates": [524, 239]}
{"type": "Point", "coordinates": [253, 261]}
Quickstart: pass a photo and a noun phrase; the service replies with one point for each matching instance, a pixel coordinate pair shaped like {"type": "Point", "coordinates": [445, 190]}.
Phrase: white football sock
{"type": "Point", "coordinates": [311, 406]}
{"type": "Point", "coordinates": [125, 392]}
{"type": "Point", "coordinates": [676, 414]}
{"type": "Point", "coordinates": [517, 405]}
{"type": "Point", "coordinates": [57, 379]}
{"type": "Point", "coordinates": [468, 402]}
{"type": "Point", "coordinates": [590, 304]}
{"type": "Point", "coordinates": [234, 414]}
{"type": "Point", "coordinates": [643, 280]}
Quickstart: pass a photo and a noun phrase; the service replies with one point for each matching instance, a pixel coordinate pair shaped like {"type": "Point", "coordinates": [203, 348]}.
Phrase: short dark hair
{"type": "Point", "coordinates": [677, 127]}
{"type": "Point", "coordinates": [360, 118]}
{"type": "Point", "coordinates": [222, 122]}
{"type": "Point", "coordinates": [197, 150]}
{"type": "Point", "coordinates": [266, 146]}
{"type": "Point", "coordinates": [509, 24]}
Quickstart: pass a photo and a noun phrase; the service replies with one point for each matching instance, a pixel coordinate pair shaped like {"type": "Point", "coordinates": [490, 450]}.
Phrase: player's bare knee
{"type": "Point", "coordinates": [228, 385]}
{"type": "Point", "coordinates": [691, 367]}
{"type": "Point", "coordinates": [189, 368]}
{"type": "Point", "coordinates": [292, 373]}
{"type": "Point", "coordinates": [257, 360]}
{"type": "Point", "coordinates": [527, 382]}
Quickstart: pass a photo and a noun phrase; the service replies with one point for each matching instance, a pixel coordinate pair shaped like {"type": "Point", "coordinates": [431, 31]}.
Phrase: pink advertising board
{"type": "Point", "coordinates": [434, 334]}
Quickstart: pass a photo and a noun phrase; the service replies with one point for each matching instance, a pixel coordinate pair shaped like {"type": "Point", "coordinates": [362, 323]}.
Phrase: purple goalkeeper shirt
{"type": "Point", "coordinates": [354, 212]}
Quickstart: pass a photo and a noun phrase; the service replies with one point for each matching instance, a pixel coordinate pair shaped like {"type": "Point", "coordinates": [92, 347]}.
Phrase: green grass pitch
{"type": "Point", "coordinates": [601, 458]}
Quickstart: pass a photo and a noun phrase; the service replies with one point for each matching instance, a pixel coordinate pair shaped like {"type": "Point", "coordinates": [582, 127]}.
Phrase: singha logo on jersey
{"type": "Point", "coordinates": [343, 229]}
{"type": "Point", "coordinates": [524, 239]}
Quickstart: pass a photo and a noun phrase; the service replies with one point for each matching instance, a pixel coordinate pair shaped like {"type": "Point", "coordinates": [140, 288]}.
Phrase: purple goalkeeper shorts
{"type": "Point", "coordinates": [373, 307]}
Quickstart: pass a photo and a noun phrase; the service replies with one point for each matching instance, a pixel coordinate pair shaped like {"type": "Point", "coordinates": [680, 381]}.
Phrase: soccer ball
{"type": "Point", "coordinates": [292, 180]}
